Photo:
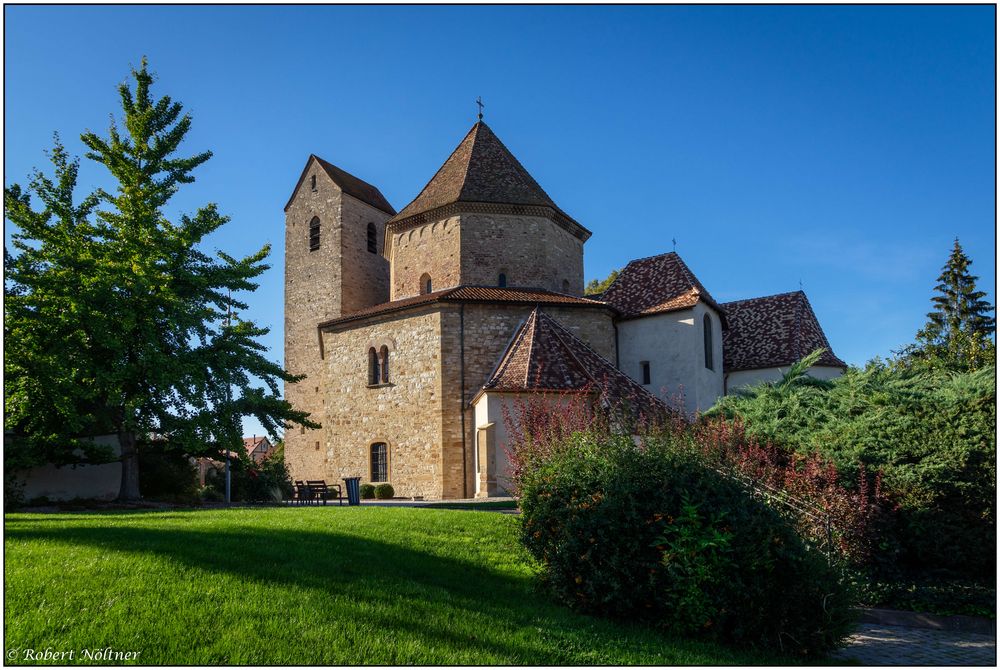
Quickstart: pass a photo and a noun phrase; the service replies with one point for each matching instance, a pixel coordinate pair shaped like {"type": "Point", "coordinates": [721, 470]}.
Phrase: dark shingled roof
{"type": "Point", "coordinates": [544, 356]}
{"type": "Point", "coordinates": [480, 170]}
{"type": "Point", "coordinates": [350, 184]}
{"type": "Point", "coordinates": [472, 294]}
{"type": "Point", "coordinates": [656, 284]}
{"type": "Point", "coordinates": [773, 331]}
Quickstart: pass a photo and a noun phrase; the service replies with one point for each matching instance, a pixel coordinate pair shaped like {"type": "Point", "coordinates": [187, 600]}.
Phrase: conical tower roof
{"type": "Point", "coordinates": [482, 170]}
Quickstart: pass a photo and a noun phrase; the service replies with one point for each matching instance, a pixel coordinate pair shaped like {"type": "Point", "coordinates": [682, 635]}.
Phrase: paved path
{"type": "Point", "coordinates": [878, 644]}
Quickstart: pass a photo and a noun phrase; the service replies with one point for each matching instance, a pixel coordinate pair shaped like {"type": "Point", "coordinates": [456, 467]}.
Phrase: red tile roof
{"type": "Point", "coordinates": [350, 184]}
{"type": "Point", "coordinates": [482, 170]}
{"type": "Point", "coordinates": [251, 443]}
{"type": "Point", "coordinates": [773, 331]}
{"type": "Point", "coordinates": [544, 356]}
{"type": "Point", "coordinates": [654, 285]}
{"type": "Point", "coordinates": [471, 294]}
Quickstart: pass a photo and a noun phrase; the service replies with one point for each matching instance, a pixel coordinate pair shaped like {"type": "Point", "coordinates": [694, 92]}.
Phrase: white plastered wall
{"type": "Point", "coordinates": [491, 411]}
{"type": "Point", "coordinates": [674, 346]}
{"type": "Point", "coordinates": [92, 482]}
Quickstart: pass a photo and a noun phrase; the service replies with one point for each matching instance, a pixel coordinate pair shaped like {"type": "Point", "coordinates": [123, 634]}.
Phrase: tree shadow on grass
{"type": "Point", "coordinates": [404, 592]}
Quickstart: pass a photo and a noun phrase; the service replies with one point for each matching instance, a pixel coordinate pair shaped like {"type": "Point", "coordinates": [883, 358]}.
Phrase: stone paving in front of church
{"type": "Point", "coordinates": [879, 644]}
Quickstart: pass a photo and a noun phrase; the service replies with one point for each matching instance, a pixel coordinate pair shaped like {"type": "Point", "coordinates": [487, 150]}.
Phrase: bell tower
{"type": "Point", "coordinates": [334, 265]}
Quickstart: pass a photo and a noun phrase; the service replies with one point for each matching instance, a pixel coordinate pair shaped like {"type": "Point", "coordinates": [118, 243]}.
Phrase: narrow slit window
{"type": "Point", "coordinates": [502, 280]}
{"type": "Point", "coordinates": [312, 182]}
{"type": "Point", "coordinates": [372, 239]}
{"type": "Point", "coordinates": [373, 367]}
{"type": "Point", "coordinates": [384, 359]}
{"type": "Point", "coordinates": [707, 327]}
{"type": "Point", "coordinates": [314, 234]}
{"type": "Point", "coordinates": [425, 283]}
{"type": "Point", "coordinates": [646, 378]}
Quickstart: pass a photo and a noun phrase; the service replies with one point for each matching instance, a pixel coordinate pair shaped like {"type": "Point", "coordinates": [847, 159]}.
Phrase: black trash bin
{"type": "Point", "coordinates": [353, 490]}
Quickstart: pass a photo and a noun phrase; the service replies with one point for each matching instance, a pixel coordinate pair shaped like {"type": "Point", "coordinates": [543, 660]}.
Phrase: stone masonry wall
{"type": "Point", "coordinates": [488, 332]}
{"type": "Point", "coordinates": [475, 248]}
{"type": "Point", "coordinates": [364, 275]}
{"type": "Point", "coordinates": [419, 413]}
{"type": "Point", "coordinates": [532, 251]}
{"type": "Point", "coordinates": [405, 414]}
{"type": "Point", "coordinates": [433, 248]}
{"type": "Point", "coordinates": [312, 291]}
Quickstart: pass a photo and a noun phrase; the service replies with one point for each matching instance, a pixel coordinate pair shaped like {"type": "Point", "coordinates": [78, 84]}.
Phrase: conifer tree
{"type": "Point", "coordinates": [958, 329]}
{"type": "Point", "coordinates": [161, 359]}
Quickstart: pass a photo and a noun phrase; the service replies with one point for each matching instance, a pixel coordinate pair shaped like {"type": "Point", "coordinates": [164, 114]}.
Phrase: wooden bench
{"type": "Point", "coordinates": [314, 490]}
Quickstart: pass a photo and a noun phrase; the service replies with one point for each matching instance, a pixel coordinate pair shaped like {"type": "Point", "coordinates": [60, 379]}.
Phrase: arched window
{"type": "Point", "coordinates": [379, 462]}
{"type": "Point", "coordinates": [502, 280]}
{"type": "Point", "coordinates": [372, 239]}
{"type": "Point", "coordinates": [373, 367]}
{"type": "Point", "coordinates": [312, 182]}
{"type": "Point", "coordinates": [565, 286]}
{"type": "Point", "coordinates": [314, 234]}
{"type": "Point", "coordinates": [384, 359]}
{"type": "Point", "coordinates": [707, 327]}
{"type": "Point", "coordinates": [425, 283]}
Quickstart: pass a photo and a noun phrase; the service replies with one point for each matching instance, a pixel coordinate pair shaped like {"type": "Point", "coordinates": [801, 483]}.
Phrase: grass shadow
{"type": "Point", "coordinates": [419, 594]}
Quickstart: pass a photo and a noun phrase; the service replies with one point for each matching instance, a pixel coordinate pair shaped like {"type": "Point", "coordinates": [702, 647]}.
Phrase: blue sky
{"type": "Point", "coordinates": [843, 147]}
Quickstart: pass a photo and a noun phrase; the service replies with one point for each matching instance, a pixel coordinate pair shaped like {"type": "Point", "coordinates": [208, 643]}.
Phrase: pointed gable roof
{"type": "Point", "coordinates": [655, 285]}
{"type": "Point", "coordinates": [773, 331]}
{"type": "Point", "coordinates": [482, 170]}
{"type": "Point", "coordinates": [544, 356]}
{"type": "Point", "coordinates": [348, 183]}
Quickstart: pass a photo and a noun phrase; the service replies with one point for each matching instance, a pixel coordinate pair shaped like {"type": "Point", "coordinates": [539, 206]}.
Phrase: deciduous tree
{"type": "Point", "coordinates": [159, 355]}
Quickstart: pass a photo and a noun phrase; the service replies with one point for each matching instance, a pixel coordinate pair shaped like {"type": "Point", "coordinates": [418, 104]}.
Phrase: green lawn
{"type": "Point", "coordinates": [333, 585]}
{"type": "Point", "coordinates": [484, 506]}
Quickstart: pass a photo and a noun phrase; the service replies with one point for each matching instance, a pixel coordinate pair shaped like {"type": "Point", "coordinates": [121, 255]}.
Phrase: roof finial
{"type": "Point", "coordinates": [674, 240]}
{"type": "Point", "coordinates": [800, 283]}
{"type": "Point", "coordinates": [479, 101]}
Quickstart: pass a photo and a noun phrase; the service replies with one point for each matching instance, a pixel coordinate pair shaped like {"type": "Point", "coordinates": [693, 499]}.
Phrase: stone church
{"type": "Point", "coordinates": [415, 328]}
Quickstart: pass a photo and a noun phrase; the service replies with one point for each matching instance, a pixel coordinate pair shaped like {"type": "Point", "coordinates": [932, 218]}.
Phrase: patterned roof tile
{"type": "Point", "coordinates": [773, 331]}
{"type": "Point", "coordinates": [654, 285]}
{"type": "Point", "coordinates": [480, 170]}
{"type": "Point", "coordinates": [544, 356]}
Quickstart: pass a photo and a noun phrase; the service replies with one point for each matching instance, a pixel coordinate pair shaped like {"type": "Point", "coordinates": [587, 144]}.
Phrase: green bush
{"type": "Point", "coordinates": [266, 481]}
{"type": "Point", "coordinates": [384, 491]}
{"type": "Point", "coordinates": [367, 491]}
{"type": "Point", "coordinates": [931, 434]}
{"type": "Point", "coordinates": [650, 533]}
{"type": "Point", "coordinates": [167, 475]}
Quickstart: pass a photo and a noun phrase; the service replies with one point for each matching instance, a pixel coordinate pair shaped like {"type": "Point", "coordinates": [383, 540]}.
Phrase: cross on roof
{"type": "Point", "coordinates": [479, 101]}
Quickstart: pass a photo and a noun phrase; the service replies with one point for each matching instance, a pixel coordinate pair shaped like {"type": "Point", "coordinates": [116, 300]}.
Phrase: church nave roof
{"type": "Point", "coordinates": [655, 285]}
{"type": "Point", "coordinates": [773, 331]}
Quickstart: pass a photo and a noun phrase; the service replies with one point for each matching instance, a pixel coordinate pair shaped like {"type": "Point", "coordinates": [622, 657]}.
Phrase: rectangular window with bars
{"type": "Point", "coordinates": [380, 462]}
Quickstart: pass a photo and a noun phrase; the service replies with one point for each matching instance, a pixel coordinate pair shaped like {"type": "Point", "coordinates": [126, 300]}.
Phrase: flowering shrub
{"type": "Point", "coordinates": [847, 520]}
{"type": "Point", "coordinates": [643, 529]}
